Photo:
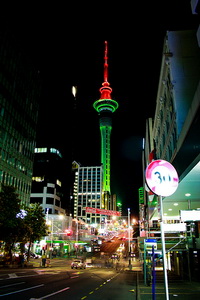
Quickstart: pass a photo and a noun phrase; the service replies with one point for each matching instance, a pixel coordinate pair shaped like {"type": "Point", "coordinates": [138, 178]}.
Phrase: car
{"type": "Point", "coordinates": [97, 248]}
{"type": "Point", "coordinates": [115, 256]}
{"type": "Point", "coordinates": [32, 255]}
{"type": "Point", "coordinates": [78, 263]}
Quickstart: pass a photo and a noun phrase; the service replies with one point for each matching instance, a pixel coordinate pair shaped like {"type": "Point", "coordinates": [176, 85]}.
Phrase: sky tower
{"type": "Point", "coordinates": [105, 106]}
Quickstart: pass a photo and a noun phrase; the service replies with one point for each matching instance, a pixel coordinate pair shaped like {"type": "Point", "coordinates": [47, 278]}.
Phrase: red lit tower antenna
{"type": "Point", "coordinates": [105, 90]}
{"type": "Point", "coordinates": [106, 62]}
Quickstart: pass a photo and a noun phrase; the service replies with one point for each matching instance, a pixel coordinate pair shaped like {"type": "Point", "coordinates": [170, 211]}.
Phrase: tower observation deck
{"type": "Point", "coordinates": [105, 106]}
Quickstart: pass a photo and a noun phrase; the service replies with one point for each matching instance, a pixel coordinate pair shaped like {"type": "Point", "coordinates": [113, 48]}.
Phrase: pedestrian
{"type": "Point", "coordinates": [44, 258]}
{"type": "Point", "coordinates": [21, 260]}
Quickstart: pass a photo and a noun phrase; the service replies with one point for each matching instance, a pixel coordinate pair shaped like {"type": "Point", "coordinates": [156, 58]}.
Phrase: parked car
{"type": "Point", "coordinates": [115, 256]}
{"type": "Point", "coordinates": [97, 248]}
{"type": "Point", "coordinates": [32, 255]}
{"type": "Point", "coordinates": [78, 263]}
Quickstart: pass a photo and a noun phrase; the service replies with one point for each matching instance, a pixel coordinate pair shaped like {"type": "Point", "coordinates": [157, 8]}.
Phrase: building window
{"type": "Point", "coordinates": [36, 200]}
{"type": "Point", "coordinates": [40, 150]}
{"type": "Point", "coordinates": [50, 200]}
{"type": "Point", "coordinates": [50, 190]}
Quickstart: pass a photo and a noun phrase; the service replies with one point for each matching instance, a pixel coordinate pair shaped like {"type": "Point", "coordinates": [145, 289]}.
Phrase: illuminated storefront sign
{"type": "Point", "coordinates": [177, 227]}
{"type": "Point", "coordinates": [161, 178]}
{"type": "Point", "coordinates": [190, 215]}
{"type": "Point", "coordinates": [102, 211]}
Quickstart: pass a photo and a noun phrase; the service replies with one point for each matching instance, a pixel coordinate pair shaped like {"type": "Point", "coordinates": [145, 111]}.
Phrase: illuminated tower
{"type": "Point", "coordinates": [105, 106]}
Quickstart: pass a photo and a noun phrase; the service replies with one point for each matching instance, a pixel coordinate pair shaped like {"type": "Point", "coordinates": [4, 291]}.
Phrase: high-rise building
{"type": "Point", "coordinates": [47, 183]}
{"type": "Point", "coordinates": [105, 106]}
{"type": "Point", "coordinates": [87, 192]}
{"type": "Point", "coordinates": [20, 89]}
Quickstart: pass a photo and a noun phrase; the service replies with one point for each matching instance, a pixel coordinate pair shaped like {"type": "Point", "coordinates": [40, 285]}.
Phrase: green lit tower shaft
{"type": "Point", "coordinates": [105, 106]}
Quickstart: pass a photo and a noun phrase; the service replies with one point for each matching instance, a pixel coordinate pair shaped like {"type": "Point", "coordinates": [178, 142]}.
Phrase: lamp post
{"type": "Point", "coordinates": [76, 237]}
{"type": "Point", "coordinates": [54, 222]}
{"type": "Point", "coordinates": [129, 239]}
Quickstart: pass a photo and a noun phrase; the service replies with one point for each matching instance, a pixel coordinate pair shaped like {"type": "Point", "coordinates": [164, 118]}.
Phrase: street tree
{"type": "Point", "coordinates": [9, 223]}
{"type": "Point", "coordinates": [34, 219]}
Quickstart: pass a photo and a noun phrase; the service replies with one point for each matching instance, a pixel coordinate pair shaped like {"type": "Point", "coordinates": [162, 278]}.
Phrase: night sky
{"type": "Point", "coordinates": [66, 44]}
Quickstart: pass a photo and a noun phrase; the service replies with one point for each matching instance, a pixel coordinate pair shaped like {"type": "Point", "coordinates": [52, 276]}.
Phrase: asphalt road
{"type": "Point", "coordinates": [57, 284]}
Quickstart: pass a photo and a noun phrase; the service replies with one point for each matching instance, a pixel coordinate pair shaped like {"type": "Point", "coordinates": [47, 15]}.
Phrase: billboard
{"type": "Point", "coordinates": [107, 212]}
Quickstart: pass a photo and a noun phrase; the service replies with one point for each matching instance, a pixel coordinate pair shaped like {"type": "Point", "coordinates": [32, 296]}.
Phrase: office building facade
{"type": "Point", "coordinates": [174, 137]}
{"type": "Point", "coordinates": [47, 180]}
{"type": "Point", "coordinates": [88, 192]}
{"type": "Point", "coordinates": [20, 89]}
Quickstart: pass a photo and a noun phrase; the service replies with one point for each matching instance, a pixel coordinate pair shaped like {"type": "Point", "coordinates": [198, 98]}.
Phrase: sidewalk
{"type": "Point", "coordinates": [54, 262]}
{"type": "Point", "coordinates": [181, 289]}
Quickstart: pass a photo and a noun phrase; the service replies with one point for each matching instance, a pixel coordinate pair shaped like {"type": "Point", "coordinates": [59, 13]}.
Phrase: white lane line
{"type": "Point", "coordinates": [21, 276]}
{"type": "Point", "coordinates": [15, 292]}
{"type": "Point", "coordinates": [4, 286]}
{"type": "Point", "coordinates": [47, 296]}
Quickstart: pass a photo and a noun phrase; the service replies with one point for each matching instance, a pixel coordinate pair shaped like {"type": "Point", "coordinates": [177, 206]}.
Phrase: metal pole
{"type": "Point", "coordinates": [163, 249]}
{"type": "Point", "coordinates": [129, 239]}
{"type": "Point", "coordinates": [145, 265]}
{"type": "Point", "coordinates": [51, 233]}
{"type": "Point", "coordinates": [76, 237]}
{"type": "Point", "coordinates": [129, 236]}
{"type": "Point", "coordinates": [153, 275]}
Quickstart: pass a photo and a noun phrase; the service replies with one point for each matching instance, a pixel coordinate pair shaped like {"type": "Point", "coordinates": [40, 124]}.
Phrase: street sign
{"type": "Point", "coordinates": [151, 242]}
{"type": "Point", "coordinates": [161, 178]}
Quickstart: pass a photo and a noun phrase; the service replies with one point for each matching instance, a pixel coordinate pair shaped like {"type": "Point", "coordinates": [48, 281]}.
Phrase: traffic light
{"type": "Point", "coordinates": [68, 232]}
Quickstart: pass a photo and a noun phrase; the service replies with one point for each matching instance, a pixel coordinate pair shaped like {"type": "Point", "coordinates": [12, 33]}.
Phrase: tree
{"type": "Point", "coordinates": [9, 223]}
{"type": "Point", "coordinates": [35, 221]}
{"type": "Point", "coordinates": [19, 225]}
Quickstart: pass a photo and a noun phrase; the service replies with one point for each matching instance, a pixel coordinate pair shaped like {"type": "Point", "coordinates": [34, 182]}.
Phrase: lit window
{"type": "Point", "coordinates": [58, 182]}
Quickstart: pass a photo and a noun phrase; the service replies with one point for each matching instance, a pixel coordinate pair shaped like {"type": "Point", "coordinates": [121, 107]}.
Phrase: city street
{"type": "Point", "coordinates": [96, 282]}
{"type": "Point", "coordinates": [60, 282]}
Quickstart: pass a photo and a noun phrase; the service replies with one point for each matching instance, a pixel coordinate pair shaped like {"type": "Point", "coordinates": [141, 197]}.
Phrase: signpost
{"type": "Point", "coordinates": [162, 179]}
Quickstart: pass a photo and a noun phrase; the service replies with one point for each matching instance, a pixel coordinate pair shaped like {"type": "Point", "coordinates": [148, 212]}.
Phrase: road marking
{"type": "Point", "coordinates": [20, 276]}
{"type": "Point", "coordinates": [4, 286]}
{"type": "Point", "coordinates": [15, 292]}
{"type": "Point", "coordinates": [91, 292]}
{"type": "Point", "coordinates": [60, 291]}
{"type": "Point", "coordinates": [100, 286]}
{"type": "Point", "coordinates": [12, 275]}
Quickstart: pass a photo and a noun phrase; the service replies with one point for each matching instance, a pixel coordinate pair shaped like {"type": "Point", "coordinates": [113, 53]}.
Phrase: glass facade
{"type": "Point", "coordinates": [87, 192]}
{"type": "Point", "coordinates": [19, 95]}
{"type": "Point", "coordinates": [48, 179]}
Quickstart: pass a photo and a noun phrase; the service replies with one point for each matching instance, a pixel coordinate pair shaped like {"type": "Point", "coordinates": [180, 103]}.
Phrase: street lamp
{"type": "Point", "coordinates": [51, 221]}
{"type": "Point", "coordinates": [129, 238]}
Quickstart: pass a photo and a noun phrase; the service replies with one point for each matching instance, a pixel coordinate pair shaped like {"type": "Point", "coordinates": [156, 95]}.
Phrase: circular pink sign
{"type": "Point", "coordinates": [161, 178]}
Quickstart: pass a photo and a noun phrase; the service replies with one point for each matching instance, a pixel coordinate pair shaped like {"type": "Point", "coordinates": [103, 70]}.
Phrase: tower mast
{"type": "Point", "coordinates": [106, 62]}
{"type": "Point", "coordinates": [105, 106]}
